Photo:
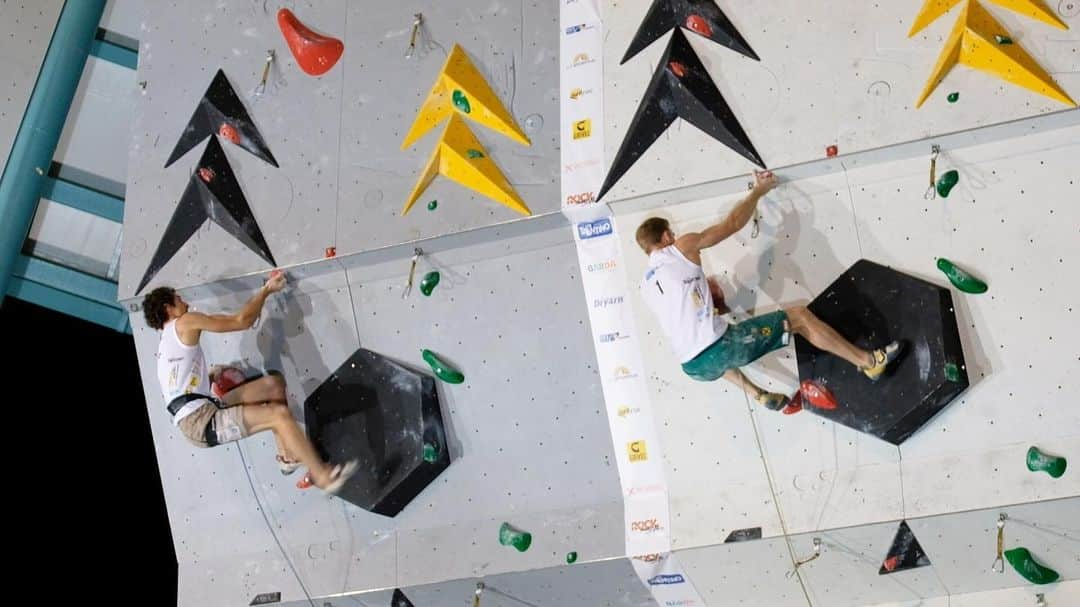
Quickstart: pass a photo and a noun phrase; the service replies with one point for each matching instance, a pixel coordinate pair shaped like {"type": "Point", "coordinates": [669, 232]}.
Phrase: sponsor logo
{"type": "Point", "coordinates": [581, 27]}
{"type": "Point", "coordinates": [577, 93]}
{"type": "Point", "coordinates": [625, 411]}
{"type": "Point", "coordinates": [582, 129]}
{"type": "Point", "coordinates": [648, 525]}
{"type": "Point", "coordinates": [603, 302]}
{"type": "Point", "coordinates": [603, 266]}
{"type": "Point", "coordinates": [664, 579]}
{"type": "Point", "coordinates": [582, 198]}
{"type": "Point", "coordinates": [650, 558]}
{"type": "Point", "coordinates": [608, 338]}
{"type": "Point", "coordinates": [638, 453]}
{"type": "Point", "coordinates": [594, 229]}
{"type": "Point", "coordinates": [584, 164]}
{"type": "Point", "coordinates": [581, 59]}
{"type": "Point", "coordinates": [646, 490]}
{"type": "Point", "coordinates": [680, 603]}
{"type": "Point", "coordinates": [623, 372]}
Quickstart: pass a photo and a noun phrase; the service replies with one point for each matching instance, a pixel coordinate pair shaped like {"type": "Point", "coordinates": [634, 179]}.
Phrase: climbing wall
{"type": "Point", "coordinates": [26, 29]}
{"type": "Point", "coordinates": [342, 178]}
{"type": "Point", "coordinates": [848, 78]}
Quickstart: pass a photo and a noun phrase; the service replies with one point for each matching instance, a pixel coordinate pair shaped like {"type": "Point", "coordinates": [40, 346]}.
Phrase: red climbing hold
{"type": "Point", "coordinates": [206, 174]}
{"type": "Point", "coordinates": [794, 406]}
{"type": "Point", "coordinates": [817, 395]}
{"type": "Point", "coordinates": [331, 252]}
{"type": "Point", "coordinates": [306, 482]}
{"type": "Point", "coordinates": [229, 132]}
{"type": "Point", "coordinates": [677, 68]}
{"type": "Point", "coordinates": [832, 150]}
{"type": "Point", "coordinates": [314, 53]}
{"type": "Point", "coordinates": [698, 25]}
{"type": "Point", "coordinates": [891, 563]}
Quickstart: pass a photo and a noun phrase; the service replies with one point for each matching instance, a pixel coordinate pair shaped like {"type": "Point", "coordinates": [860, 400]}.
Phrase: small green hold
{"type": "Point", "coordinates": [442, 370]}
{"type": "Point", "coordinates": [431, 453]}
{"type": "Point", "coordinates": [947, 182]}
{"type": "Point", "coordinates": [1037, 461]}
{"type": "Point", "coordinates": [461, 102]}
{"type": "Point", "coordinates": [571, 558]}
{"type": "Point", "coordinates": [961, 279]}
{"type": "Point", "coordinates": [434, 204]}
{"type": "Point", "coordinates": [1024, 564]}
{"type": "Point", "coordinates": [509, 536]}
{"type": "Point", "coordinates": [1004, 40]}
{"type": "Point", "coordinates": [954, 97]}
{"type": "Point", "coordinates": [428, 284]}
{"type": "Point", "coordinates": [474, 153]}
{"type": "Point", "coordinates": [952, 372]}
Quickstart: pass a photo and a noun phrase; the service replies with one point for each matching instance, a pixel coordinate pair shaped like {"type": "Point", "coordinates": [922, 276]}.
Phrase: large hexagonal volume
{"type": "Point", "coordinates": [871, 305]}
{"type": "Point", "coordinates": [387, 417]}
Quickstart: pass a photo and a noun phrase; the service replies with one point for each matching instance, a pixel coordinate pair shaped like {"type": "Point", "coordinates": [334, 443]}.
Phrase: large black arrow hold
{"type": "Point", "coordinates": [212, 194]}
{"type": "Point", "coordinates": [221, 112]}
{"type": "Point", "coordinates": [680, 88]}
{"type": "Point", "coordinates": [702, 17]}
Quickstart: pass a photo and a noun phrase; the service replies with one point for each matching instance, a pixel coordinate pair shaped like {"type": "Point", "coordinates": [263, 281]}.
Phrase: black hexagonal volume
{"type": "Point", "coordinates": [387, 417]}
{"type": "Point", "coordinates": [871, 305]}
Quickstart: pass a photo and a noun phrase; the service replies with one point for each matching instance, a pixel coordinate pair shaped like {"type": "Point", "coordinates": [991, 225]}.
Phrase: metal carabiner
{"type": "Point", "coordinates": [931, 192]}
{"type": "Point", "coordinates": [412, 272]}
{"type": "Point", "coordinates": [999, 562]}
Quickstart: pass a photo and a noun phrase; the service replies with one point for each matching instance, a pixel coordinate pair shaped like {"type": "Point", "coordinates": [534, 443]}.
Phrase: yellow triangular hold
{"type": "Point", "coordinates": [460, 157]}
{"type": "Point", "coordinates": [460, 88]}
{"type": "Point", "coordinates": [1035, 9]}
{"type": "Point", "coordinates": [931, 10]}
{"type": "Point", "coordinates": [972, 43]}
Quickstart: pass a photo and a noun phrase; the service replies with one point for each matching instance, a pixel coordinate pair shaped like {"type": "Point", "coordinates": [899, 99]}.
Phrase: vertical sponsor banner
{"type": "Point", "coordinates": [638, 453]}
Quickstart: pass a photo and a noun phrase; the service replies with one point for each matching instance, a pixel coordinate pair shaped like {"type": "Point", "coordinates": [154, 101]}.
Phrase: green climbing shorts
{"type": "Point", "coordinates": [740, 345]}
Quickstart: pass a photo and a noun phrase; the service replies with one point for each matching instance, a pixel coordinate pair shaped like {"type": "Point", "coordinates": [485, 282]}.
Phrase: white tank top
{"type": "Point", "coordinates": [181, 369]}
{"type": "Point", "coordinates": [678, 295]}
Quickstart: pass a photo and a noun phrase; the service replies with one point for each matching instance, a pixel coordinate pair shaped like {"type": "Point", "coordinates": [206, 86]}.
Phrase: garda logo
{"type": "Point", "coordinates": [582, 198]}
{"type": "Point", "coordinates": [625, 411]}
{"type": "Point", "coordinates": [638, 453]}
{"type": "Point", "coordinates": [577, 92]}
{"type": "Point", "coordinates": [582, 129]}
{"type": "Point", "coordinates": [648, 525]}
{"type": "Point", "coordinates": [623, 372]}
{"type": "Point", "coordinates": [603, 302]}
{"type": "Point", "coordinates": [584, 164]}
{"type": "Point", "coordinates": [604, 266]}
{"type": "Point", "coordinates": [594, 229]}
{"type": "Point", "coordinates": [650, 558]}
{"type": "Point", "coordinates": [664, 579]}
{"type": "Point", "coordinates": [646, 490]}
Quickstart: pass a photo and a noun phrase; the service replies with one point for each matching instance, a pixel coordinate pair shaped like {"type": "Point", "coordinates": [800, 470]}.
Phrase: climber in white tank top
{"type": "Point", "coordinates": [676, 290]}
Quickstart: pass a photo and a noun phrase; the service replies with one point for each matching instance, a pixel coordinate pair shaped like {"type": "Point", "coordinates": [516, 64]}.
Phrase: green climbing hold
{"type": "Point", "coordinates": [434, 204]}
{"type": "Point", "coordinates": [474, 153]}
{"type": "Point", "coordinates": [954, 97]}
{"type": "Point", "coordinates": [461, 102]}
{"type": "Point", "coordinates": [431, 453]}
{"type": "Point", "coordinates": [1024, 564]}
{"type": "Point", "coordinates": [571, 558]}
{"type": "Point", "coordinates": [952, 372]}
{"type": "Point", "coordinates": [428, 284]}
{"type": "Point", "coordinates": [442, 370]}
{"type": "Point", "coordinates": [1003, 39]}
{"type": "Point", "coordinates": [509, 536]}
{"type": "Point", "coordinates": [1037, 461]}
{"type": "Point", "coordinates": [947, 182]}
{"type": "Point", "coordinates": [961, 279]}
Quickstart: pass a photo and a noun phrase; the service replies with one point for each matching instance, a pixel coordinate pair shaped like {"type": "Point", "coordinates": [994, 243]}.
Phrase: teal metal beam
{"type": "Point", "coordinates": [60, 300]}
{"type": "Point", "coordinates": [42, 124]}
{"type": "Point", "coordinates": [80, 197]}
{"type": "Point", "coordinates": [80, 284]}
{"type": "Point", "coordinates": [114, 53]}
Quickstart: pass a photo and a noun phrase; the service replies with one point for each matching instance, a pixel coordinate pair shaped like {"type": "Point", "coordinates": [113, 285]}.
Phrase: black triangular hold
{"type": "Point", "coordinates": [400, 600]}
{"type": "Point", "coordinates": [744, 535]}
{"type": "Point", "coordinates": [680, 88]}
{"type": "Point", "coordinates": [905, 553]}
{"type": "Point", "coordinates": [212, 193]}
{"type": "Point", "coordinates": [702, 17]}
{"type": "Point", "coordinates": [220, 111]}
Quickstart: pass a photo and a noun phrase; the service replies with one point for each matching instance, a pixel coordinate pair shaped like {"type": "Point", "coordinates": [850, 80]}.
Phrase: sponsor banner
{"type": "Point", "coordinates": [638, 453]}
